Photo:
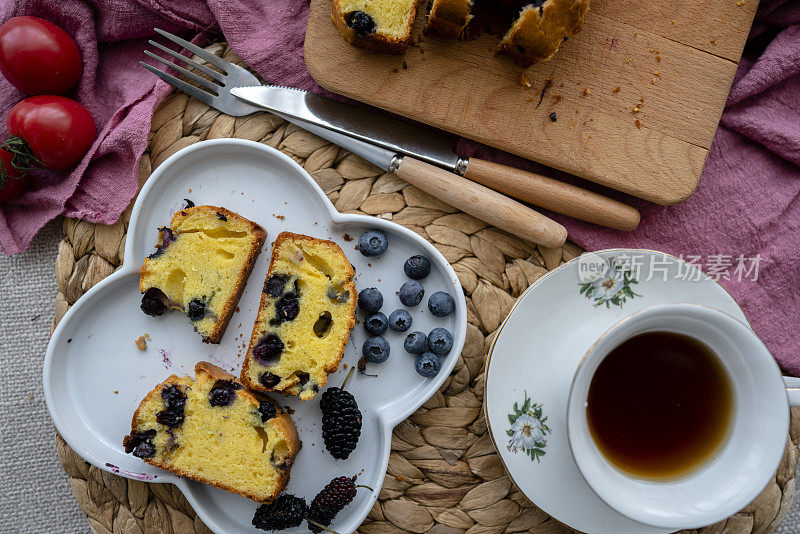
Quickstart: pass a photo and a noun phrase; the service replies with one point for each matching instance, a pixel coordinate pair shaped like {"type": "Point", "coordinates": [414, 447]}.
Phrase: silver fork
{"type": "Point", "coordinates": [218, 93]}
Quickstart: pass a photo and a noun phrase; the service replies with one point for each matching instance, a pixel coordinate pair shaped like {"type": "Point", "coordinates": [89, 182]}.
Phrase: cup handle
{"type": "Point", "coordinates": [792, 390]}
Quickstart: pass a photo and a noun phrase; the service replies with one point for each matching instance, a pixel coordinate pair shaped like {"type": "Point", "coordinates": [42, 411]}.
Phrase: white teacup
{"type": "Point", "coordinates": [742, 466]}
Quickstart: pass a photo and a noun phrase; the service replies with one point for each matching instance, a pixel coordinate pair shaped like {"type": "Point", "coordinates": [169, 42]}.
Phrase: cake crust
{"type": "Point", "coordinates": [349, 286]}
{"type": "Point", "coordinates": [377, 41]}
{"type": "Point", "coordinates": [539, 30]}
{"type": "Point", "coordinates": [282, 421]}
{"type": "Point", "coordinates": [448, 18]}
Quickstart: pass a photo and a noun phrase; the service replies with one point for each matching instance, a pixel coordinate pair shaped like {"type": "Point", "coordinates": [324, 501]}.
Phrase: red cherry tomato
{"type": "Point", "coordinates": [12, 183]}
{"type": "Point", "coordinates": [38, 57]}
{"type": "Point", "coordinates": [59, 131]}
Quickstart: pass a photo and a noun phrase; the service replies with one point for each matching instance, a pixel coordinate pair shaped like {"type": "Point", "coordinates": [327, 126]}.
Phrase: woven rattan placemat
{"type": "Point", "coordinates": [444, 477]}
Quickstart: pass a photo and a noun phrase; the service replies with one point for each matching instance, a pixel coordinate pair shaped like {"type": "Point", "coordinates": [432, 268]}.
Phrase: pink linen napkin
{"type": "Point", "coordinates": [747, 205]}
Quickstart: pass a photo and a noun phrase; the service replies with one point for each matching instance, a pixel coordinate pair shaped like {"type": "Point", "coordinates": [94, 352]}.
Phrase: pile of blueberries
{"type": "Point", "coordinates": [427, 348]}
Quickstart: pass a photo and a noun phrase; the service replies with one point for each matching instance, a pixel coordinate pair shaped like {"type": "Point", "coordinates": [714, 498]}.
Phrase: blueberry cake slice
{"type": "Point", "coordinates": [383, 25]}
{"type": "Point", "coordinates": [200, 266]}
{"type": "Point", "coordinates": [448, 18]}
{"type": "Point", "coordinates": [540, 27]}
{"type": "Point", "coordinates": [307, 311]}
{"type": "Point", "coordinates": [213, 430]}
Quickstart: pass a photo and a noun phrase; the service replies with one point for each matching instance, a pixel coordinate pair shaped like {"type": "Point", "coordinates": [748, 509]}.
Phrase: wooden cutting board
{"type": "Point", "coordinates": [637, 93]}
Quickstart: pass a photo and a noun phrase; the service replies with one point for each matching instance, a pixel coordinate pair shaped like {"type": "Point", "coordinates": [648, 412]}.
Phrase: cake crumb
{"type": "Point", "coordinates": [586, 91]}
{"type": "Point", "coordinates": [638, 123]}
{"type": "Point", "coordinates": [713, 41]}
{"type": "Point", "coordinates": [740, 3]}
{"type": "Point", "coordinates": [279, 217]}
{"type": "Point", "coordinates": [141, 341]}
{"type": "Point", "coordinates": [347, 237]}
{"type": "Point", "coordinates": [523, 80]}
{"type": "Point", "coordinates": [616, 89]}
{"type": "Point", "coordinates": [556, 99]}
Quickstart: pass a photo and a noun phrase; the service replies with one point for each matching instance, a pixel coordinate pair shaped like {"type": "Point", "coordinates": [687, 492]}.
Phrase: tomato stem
{"type": "Point", "coordinates": [22, 159]}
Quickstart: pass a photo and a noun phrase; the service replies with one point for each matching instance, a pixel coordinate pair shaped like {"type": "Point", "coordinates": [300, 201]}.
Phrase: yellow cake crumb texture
{"type": "Point", "coordinates": [392, 17]}
{"type": "Point", "coordinates": [306, 314]}
{"type": "Point", "coordinates": [203, 256]}
{"type": "Point", "coordinates": [228, 446]}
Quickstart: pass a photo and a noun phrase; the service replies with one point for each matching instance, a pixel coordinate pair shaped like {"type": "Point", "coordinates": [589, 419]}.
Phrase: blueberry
{"type": "Point", "coordinates": [361, 23]}
{"type": "Point", "coordinates": [417, 267]}
{"type": "Point", "coordinates": [376, 324]}
{"type": "Point", "coordinates": [275, 284]}
{"type": "Point", "coordinates": [268, 380]}
{"type": "Point", "coordinates": [338, 295]}
{"type": "Point", "coordinates": [174, 403]}
{"type": "Point", "coordinates": [154, 302]}
{"type": "Point", "coordinates": [441, 304]}
{"type": "Point", "coordinates": [196, 310]}
{"type": "Point", "coordinates": [287, 307]}
{"type": "Point", "coordinates": [411, 293]}
{"type": "Point", "coordinates": [416, 343]}
{"type": "Point", "coordinates": [268, 350]}
{"type": "Point", "coordinates": [400, 320]}
{"type": "Point", "coordinates": [167, 237]}
{"type": "Point", "coordinates": [267, 410]}
{"type": "Point", "coordinates": [440, 341]}
{"type": "Point", "coordinates": [223, 393]}
{"type": "Point", "coordinates": [140, 443]}
{"type": "Point", "coordinates": [372, 243]}
{"type": "Point", "coordinates": [427, 364]}
{"type": "Point", "coordinates": [370, 299]}
{"type": "Point", "coordinates": [376, 349]}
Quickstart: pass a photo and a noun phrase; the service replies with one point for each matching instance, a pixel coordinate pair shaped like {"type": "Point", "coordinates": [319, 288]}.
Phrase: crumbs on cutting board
{"type": "Point", "coordinates": [523, 80]}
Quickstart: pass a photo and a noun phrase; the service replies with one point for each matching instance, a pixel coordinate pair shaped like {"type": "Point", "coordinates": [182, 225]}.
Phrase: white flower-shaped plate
{"type": "Point", "coordinates": [536, 352]}
{"type": "Point", "coordinates": [95, 376]}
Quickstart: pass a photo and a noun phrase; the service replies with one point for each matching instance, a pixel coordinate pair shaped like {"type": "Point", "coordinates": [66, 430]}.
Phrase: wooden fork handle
{"type": "Point", "coordinates": [553, 194]}
{"type": "Point", "coordinates": [482, 202]}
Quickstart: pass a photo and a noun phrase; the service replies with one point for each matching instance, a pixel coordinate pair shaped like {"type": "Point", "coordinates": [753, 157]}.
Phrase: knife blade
{"type": "Point", "coordinates": [426, 144]}
{"type": "Point", "coordinates": [362, 123]}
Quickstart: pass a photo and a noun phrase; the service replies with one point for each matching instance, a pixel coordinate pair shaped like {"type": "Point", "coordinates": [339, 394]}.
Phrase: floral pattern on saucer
{"type": "Point", "coordinates": [613, 287]}
{"type": "Point", "coordinates": [528, 429]}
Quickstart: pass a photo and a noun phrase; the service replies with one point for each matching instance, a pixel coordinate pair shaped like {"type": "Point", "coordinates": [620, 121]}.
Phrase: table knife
{"type": "Point", "coordinates": [431, 148]}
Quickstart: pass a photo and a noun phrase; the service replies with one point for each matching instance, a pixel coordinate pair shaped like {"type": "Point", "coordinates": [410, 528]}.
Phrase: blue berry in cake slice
{"type": "Point", "coordinates": [440, 341]}
{"type": "Point", "coordinates": [361, 23]}
{"type": "Point", "coordinates": [427, 364]}
{"type": "Point", "coordinates": [370, 299]}
{"type": "Point", "coordinates": [411, 293]}
{"type": "Point", "coordinates": [155, 302]}
{"type": "Point", "coordinates": [211, 429]}
{"type": "Point", "coordinates": [200, 267]}
{"type": "Point", "coordinates": [373, 243]}
{"type": "Point", "coordinates": [376, 324]}
{"type": "Point", "coordinates": [441, 304]}
{"type": "Point", "coordinates": [375, 349]}
{"type": "Point", "coordinates": [223, 393]}
{"type": "Point", "coordinates": [416, 343]}
{"type": "Point", "coordinates": [400, 320]}
{"type": "Point", "coordinates": [417, 267]}
{"type": "Point", "coordinates": [304, 320]}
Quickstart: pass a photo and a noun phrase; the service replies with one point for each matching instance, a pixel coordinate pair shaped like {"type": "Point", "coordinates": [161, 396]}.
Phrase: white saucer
{"type": "Point", "coordinates": [95, 376]}
{"type": "Point", "coordinates": [539, 346]}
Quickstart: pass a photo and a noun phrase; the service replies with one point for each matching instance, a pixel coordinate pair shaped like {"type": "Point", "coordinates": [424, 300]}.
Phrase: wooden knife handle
{"type": "Point", "coordinates": [553, 195]}
{"type": "Point", "coordinates": [482, 202]}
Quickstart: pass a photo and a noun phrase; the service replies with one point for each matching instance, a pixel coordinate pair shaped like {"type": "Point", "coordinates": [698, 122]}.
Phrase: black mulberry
{"type": "Point", "coordinates": [336, 495]}
{"type": "Point", "coordinates": [287, 511]}
{"type": "Point", "coordinates": [341, 421]}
